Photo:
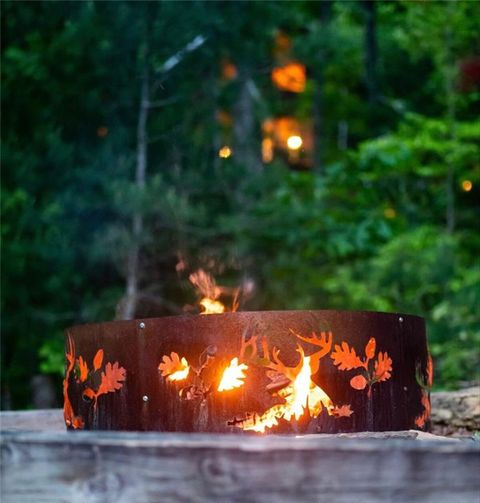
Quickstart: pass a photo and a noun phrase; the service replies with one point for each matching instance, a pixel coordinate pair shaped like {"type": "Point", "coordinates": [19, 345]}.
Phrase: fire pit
{"type": "Point", "coordinates": [256, 372]}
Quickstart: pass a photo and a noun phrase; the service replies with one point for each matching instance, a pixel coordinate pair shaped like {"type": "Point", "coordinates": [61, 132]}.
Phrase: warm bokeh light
{"type": "Point", "coordinates": [294, 142]}
{"type": "Point", "coordinates": [467, 185]}
{"type": "Point", "coordinates": [233, 376]}
{"type": "Point", "coordinates": [225, 152]}
{"type": "Point", "coordinates": [291, 77]}
{"type": "Point", "coordinates": [267, 150]}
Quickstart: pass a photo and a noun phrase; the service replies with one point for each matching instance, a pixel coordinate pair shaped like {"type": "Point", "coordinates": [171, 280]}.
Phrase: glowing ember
{"type": "Point", "coordinates": [233, 376]}
{"type": "Point", "coordinates": [300, 395]}
{"type": "Point", "coordinates": [211, 306]}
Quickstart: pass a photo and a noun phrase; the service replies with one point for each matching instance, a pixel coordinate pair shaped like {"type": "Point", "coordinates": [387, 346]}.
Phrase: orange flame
{"type": "Point", "coordinates": [211, 306]}
{"type": "Point", "coordinates": [233, 376]}
{"type": "Point", "coordinates": [301, 395]}
{"type": "Point", "coordinates": [210, 291]}
{"type": "Point", "coordinates": [181, 374]}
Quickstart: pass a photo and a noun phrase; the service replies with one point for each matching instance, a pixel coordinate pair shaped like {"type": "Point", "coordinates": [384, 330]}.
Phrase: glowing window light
{"type": "Point", "coordinates": [225, 152]}
{"type": "Point", "coordinates": [467, 185]}
{"type": "Point", "coordinates": [294, 142]}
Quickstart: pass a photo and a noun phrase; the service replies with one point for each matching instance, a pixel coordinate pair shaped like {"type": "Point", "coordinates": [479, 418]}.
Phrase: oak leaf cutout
{"type": "Point", "coordinates": [174, 368]}
{"type": "Point", "coordinates": [172, 364]}
{"type": "Point", "coordinates": [112, 379]}
{"type": "Point", "coordinates": [343, 411]}
{"type": "Point", "coordinates": [83, 368]}
{"type": "Point", "coordinates": [370, 348]}
{"type": "Point", "coordinates": [98, 360]}
{"type": "Point", "coordinates": [383, 367]}
{"type": "Point", "coordinates": [345, 357]}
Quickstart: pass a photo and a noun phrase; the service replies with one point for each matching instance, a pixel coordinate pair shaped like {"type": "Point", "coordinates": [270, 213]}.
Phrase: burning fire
{"type": "Point", "coordinates": [211, 306]}
{"type": "Point", "coordinates": [297, 400]}
{"type": "Point", "coordinates": [180, 375]}
{"type": "Point", "coordinates": [300, 395]}
{"type": "Point", "coordinates": [293, 385]}
{"type": "Point", "coordinates": [210, 291]}
{"type": "Point", "coordinates": [233, 376]}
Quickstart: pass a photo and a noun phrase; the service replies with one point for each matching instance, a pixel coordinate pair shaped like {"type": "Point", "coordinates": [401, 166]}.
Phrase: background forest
{"type": "Point", "coordinates": [143, 141]}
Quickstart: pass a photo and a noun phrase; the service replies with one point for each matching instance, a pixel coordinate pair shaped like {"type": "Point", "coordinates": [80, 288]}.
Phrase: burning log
{"type": "Point", "coordinates": [267, 372]}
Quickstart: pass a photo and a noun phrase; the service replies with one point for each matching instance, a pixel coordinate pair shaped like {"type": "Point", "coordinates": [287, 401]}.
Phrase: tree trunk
{"type": "Point", "coordinates": [246, 150]}
{"type": "Point", "coordinates": [128, 308]}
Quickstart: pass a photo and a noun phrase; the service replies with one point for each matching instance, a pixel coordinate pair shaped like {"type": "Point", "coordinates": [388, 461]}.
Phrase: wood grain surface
{"type": "Point", "coordinates": [56, 465]}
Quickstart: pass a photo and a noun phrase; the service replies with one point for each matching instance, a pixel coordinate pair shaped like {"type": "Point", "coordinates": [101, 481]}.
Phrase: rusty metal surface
{"type": "Point", "coordinates": [148, 401]}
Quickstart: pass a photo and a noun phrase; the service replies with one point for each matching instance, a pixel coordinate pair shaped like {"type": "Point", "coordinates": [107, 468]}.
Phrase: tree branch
{"type": "Point", "coordinates": [174, 60]}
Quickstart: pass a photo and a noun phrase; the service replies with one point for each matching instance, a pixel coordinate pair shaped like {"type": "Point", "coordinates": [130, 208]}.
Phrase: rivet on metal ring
{"type": "Point", "coordinates": [145, 398]}
{"type": "Point", "coordinates": [141, 324]}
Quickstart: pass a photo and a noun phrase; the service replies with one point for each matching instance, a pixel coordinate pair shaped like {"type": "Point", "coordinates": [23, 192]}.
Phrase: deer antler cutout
{"type": "Point", "coordinates": [324, 342]}
{"type": "Point", "coordinates": [274, 363]}
{"type": "Point", "coordinates": [248, 348]}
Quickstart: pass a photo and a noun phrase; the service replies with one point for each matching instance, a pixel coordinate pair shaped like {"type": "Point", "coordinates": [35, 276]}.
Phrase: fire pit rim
{"type": "Point", "coordinates": [186, 316]}
{"type": "Point", "coordinates": [151, 350]}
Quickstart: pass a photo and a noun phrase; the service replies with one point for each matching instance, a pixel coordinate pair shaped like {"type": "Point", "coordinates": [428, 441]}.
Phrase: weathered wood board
{"type": "Point", "coordinates": [33, 420]}
{"type": "Point", "coordinates": [169, 467]}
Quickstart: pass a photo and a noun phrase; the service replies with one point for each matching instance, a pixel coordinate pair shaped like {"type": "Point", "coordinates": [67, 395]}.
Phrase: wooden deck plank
{"type": "Point", "coordinates": [51, 466]}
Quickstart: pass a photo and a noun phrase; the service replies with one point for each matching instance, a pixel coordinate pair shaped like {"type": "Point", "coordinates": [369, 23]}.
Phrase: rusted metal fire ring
{"type": "Point", "coordinates": [363, 371]}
